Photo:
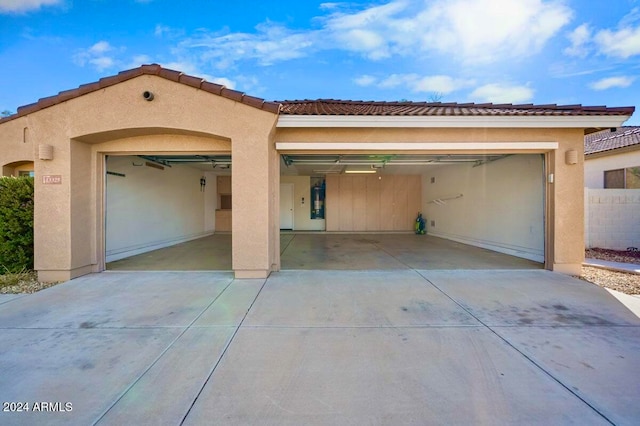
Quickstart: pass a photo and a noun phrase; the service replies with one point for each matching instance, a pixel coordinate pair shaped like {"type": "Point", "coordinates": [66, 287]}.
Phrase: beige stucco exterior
{"type": "Point", "coordinates": [117, 120]}
{"type": "Point", "coordinates": [69, 218]}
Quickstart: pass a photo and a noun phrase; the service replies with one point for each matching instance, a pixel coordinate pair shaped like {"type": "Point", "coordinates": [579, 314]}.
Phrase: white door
{"type": "Point", "coordinates": [286, 206]}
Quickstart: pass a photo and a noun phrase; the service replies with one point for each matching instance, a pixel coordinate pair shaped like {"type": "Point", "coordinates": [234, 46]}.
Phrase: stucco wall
{"type": "Point", "coordinates": [116, 120]}
{"type": "Point", "coordinates": [594, 168]}
{"type": "Point", "coordinates": [612, 218]}
{"type": "Point", "coordinates": [150, 208]}
{"type": "Point", "coordinates": [501, 208]}
{"type": "Point", "coordinates": [302, 212]}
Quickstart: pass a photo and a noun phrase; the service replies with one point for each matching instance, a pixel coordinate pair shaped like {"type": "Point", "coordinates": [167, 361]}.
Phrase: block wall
{"type": "Point", "coordinates": [612, 218]}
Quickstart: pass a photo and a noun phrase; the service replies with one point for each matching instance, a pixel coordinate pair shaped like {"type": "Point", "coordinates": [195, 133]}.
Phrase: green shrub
{"type": "Point", "coordinates": [16, 224]}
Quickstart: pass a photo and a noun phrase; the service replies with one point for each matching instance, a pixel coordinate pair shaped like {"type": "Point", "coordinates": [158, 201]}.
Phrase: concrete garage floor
{"type": "Point", "coordinates": [322, 347]}
{"type": "Point", "coordinates": [331, 251]}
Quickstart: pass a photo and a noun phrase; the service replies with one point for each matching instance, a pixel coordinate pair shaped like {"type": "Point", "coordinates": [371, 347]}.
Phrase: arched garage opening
{"type": "Point", "coordinates": [168, 212]}
{"type": "Point", "coordinates": [159, 196]}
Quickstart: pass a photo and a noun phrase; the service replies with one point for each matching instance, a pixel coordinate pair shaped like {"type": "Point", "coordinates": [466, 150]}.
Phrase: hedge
{"type": "Point", "coordinates": [16, 224]}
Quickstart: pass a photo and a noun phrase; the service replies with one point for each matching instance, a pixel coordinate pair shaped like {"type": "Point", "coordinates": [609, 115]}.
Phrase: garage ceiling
{"type": "Point", "coordinates": [317, 165]}
{"type": "Point", "coordinates": [202, 162]}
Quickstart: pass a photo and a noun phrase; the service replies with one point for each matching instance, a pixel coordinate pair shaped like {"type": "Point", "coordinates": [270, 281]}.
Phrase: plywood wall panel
{"type": "Point", "coordinates": [373, 203]}
{"type": "Point", "coordinates": [386, 203]}
{"type": "Point", "coordinates": [332, 202]}
{"type": "Point", "coordinates": [414, 197]}
{"type": "Point", "coordinates": [359, 203]}
{"type": "Point", "coordinates": [400, 202]}
{"type": "Point", "coordinates": [346, 203]}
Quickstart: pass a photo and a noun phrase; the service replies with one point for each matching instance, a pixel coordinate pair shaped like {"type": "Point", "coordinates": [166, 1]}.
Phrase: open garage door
{"type": "Point", "coordinates": [168, 212]}
{"type": "Point", "coordinates": [480, 211]}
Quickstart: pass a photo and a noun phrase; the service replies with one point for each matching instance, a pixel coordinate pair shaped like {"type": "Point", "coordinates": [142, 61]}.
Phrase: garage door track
{"type": "Point", "coordinates": [320, 347]}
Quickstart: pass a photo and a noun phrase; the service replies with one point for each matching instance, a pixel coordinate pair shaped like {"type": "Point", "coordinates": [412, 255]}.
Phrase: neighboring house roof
{"type": "Point", "coordinates": [329, 106]}
{"type": "Point", "coordinates": [608, 140]}
{"type": "Point", "coordinates": [344, 107]}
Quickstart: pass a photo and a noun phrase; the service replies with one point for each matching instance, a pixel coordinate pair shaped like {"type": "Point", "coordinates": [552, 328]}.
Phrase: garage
{"type": "Point", "coordinates": [168, 212]}
{"type": "Point", "coordinates": [504, 179]}
{"type": "Point", "coordinates": [480, 211]}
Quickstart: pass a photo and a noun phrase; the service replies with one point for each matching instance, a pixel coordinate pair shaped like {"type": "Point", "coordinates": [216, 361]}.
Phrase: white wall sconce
{"type": "Point", "coordinates": [45, 152]}
{"type": "Point", "coordinates": [571, 157]}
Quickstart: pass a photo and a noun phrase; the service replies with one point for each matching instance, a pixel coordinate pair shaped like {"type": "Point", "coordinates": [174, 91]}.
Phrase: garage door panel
{"type": "Point", "coordinates": [373, 203]}
{"type": "Point", "coordinates": [359, 203]}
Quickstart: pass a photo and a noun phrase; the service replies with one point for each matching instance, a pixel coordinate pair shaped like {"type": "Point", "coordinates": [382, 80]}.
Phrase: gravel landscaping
{"type": "Point", "coordinates": [619, 281]}
{"type": "Point", "coordinates": [23, 282]}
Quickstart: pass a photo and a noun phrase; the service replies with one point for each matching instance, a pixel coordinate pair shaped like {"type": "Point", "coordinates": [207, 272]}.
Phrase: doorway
{"type": "Point", "coordinates": [286, 206]}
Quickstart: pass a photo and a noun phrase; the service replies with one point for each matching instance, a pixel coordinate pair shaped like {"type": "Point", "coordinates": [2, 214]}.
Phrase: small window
{"type": "Point", "coordinates": [25, 173]}
{"type": "Point", "coordinates": [614, 178]}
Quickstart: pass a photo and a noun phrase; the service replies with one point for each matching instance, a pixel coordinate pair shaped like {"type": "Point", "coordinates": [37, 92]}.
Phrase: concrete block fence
{"type": "Point", "coordinates": [612, 218]}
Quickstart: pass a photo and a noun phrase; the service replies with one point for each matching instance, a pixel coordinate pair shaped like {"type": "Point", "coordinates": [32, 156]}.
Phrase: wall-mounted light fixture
{"type": "Point", "coordinates": [147, 95]}
{"type": "Point", "coordinates": [45, 152]}
{"type": "Point", "coordinates": [571, 157]}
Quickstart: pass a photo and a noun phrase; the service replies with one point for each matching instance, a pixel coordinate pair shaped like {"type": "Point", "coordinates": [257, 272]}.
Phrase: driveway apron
{"type": "Point", "coordinates": [321, 347]}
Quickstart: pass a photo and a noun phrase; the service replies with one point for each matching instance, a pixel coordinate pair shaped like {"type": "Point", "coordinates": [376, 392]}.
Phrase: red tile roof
{"type": "Point", "coordinates": [343, 107]}
{"type": "Point", "coordinates": [328, 106]}
{"type": "Point", "coordinates": [153, 69]}
{"type": "Point", "coordinates": [608, 140]}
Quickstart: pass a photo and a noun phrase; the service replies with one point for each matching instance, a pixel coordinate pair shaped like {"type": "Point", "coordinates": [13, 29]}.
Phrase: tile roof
{"type": "Point", "coordinates": [344, 107]}
{"type": "Point", "coordinates": [608, 140]}
{"type": "Point", "coordinates": [153, 69]}
{"type": "Point", "coordinates": [328, 106]}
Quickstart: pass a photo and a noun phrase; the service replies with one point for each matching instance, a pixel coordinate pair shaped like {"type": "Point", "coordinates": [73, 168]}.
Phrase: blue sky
{"type": "Point", "coordinates": [501, 51]}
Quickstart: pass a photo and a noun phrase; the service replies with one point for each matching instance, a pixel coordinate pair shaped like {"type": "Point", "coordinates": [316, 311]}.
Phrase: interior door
{"type": "Point", "coordinates": [286, 206]}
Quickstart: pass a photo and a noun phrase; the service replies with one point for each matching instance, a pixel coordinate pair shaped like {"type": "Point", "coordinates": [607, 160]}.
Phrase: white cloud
{"type": "Point", "coordinates": [138, 60]}
{"type": "Point", "coordinates": [364, 80]}
{"type": "Point", "coordinates": [473, 31]}
{"type": "Point", "coordinates": [100, 48]}
{"type": "Point", "coordinates": [164, 31]}
{"type": "Point", "coordinates": [443, 84]}
{"type": "Point", "coordinates": [579, 38]}
{"type": "Point", "coordinates": [611, 82]}
{"type": "Point", "coordinates": [21, 6]}
{"type": "Point", "coordinates": [101, 55]}
{"type": "Point", "coordinates": [439, 84]}
{"type": "Point", "coordinates": [483, 31]}
{"type": "Point", "coordinates": [329, 5]}
{"type": "Point", "coordinates": [192, 69]}
{"type": "Point", "coordinates": [102, 63]}
{"type": "Point", "coordinates": [502, 93]}
{"type": "Point", "coordinates": [271, 43]}
{"type": "Point", "coordinates": [622, 43]}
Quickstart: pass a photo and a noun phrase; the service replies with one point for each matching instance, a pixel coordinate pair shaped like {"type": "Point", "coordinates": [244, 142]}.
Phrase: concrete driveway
{"type": "Point", "coordinates": [321, 347]}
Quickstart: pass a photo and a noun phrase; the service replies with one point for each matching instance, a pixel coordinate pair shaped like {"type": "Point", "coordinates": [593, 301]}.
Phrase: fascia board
{"type": "Point", "coordinates": [597, 121]}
